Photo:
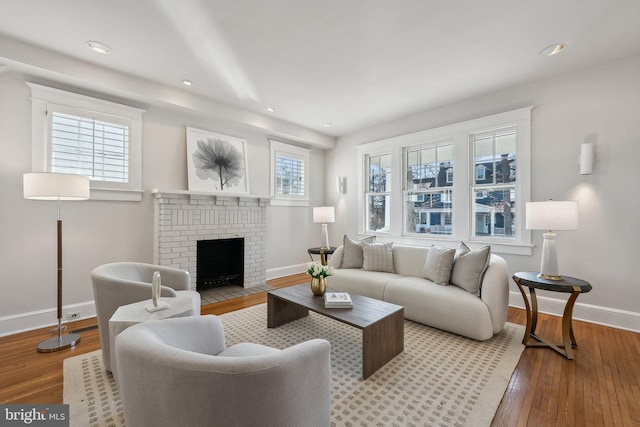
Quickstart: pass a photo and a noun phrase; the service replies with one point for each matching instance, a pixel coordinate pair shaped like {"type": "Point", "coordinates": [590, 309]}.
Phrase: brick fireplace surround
{"type": "Point", "coordinates": [181, 218]}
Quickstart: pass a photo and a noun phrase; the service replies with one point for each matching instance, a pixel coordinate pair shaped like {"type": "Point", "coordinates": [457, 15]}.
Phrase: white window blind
{"type": "Point", "coordinates": [290, 176]}
{"type": "Point", "coordinates": [90, 147]}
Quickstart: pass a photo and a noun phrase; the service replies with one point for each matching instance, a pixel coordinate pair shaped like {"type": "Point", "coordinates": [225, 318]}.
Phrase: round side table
{"type": "Point", "coordinates": [569, 285]}
{"type": "Point", "coordinates": [323, 252]}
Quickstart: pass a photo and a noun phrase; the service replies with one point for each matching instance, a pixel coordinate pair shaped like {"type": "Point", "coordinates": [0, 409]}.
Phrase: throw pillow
{"type": "Point", "coordinates": [352, 256]}
{"type": "Point", "coordinates": [469, 267]}
{"type": "Point", "coordinates": [378, 257]}
{"type": "Point", "coordinates": [437, 268]}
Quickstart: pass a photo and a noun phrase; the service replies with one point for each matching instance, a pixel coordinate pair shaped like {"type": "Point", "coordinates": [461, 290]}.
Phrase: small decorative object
{"type": "Point", "coordinates": [216, 163]}
{"type": "Point", "coordinates": [318, 273]}
{"type": "Point", "coordinates": [156, 287]}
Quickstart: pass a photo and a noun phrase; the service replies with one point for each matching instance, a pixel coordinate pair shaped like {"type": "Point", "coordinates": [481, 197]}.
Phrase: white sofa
{"type": "Point", "coordinates": [446, 307]}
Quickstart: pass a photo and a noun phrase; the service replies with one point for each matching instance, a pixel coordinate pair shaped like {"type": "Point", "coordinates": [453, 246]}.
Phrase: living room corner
{"type": "Point", "coordinates": [426, 129]}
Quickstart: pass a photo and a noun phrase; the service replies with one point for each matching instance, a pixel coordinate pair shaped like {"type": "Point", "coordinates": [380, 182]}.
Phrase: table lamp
{"type": "Point", "coordinates": [57, 186]}
{"type": "Point", "coordinates": [551, 215]}
{"type": "Point", "coordinates": [324, 215]}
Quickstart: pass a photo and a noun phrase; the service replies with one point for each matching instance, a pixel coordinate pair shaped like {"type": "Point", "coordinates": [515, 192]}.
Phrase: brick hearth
{"type": "Point", "coordinates": [181, 218]}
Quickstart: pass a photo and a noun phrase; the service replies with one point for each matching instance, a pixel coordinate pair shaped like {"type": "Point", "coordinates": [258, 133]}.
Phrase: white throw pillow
{"type": "Point", "coordinates": [437, 268]}
{"type": "Point", "coordinates": [469, 267]}
{"type": "Point", "coordinates": [352, 256]}
{"type": "Point", "coordinates": [378, 257]}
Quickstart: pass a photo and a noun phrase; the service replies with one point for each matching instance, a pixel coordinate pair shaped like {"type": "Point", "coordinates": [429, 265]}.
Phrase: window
{"type": "Point", "coordinates": [94, 148]}
{"type": "Point", "coordinates": [378, 195]}
{"type": "Point", "coordinates": [494, 207]}
{"type": "Point", "coordinates": [428, 189]}
{"type": "Point", "coordinates": [465, 181]}
{"type": "Point", "coordinates": [81, 135]}
{"type": "Point", "coordinates": [289, 171]}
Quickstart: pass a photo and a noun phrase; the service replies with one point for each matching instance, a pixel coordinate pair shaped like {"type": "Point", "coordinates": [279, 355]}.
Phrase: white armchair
{"type": "Point", "coordinates": [122, 283]}
{"type": "Point", "coordinates": [178, 372]}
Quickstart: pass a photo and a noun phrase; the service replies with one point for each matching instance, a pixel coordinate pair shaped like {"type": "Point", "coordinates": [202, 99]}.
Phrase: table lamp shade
{"type": "Point", "coordinates": [55, 186]}
{"type": "Point", "coordinates": [324, 214]}
{"type": "Point", "coordinates": [552, 215]}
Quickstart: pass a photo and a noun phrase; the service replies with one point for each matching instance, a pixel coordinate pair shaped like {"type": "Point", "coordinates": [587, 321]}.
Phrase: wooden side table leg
{"type": "Point", "coordinates": [527, 331]}
{"type": "Point", "coordinates": [534, 310]}
{"type": "Point", "coordinates": [568, 338]}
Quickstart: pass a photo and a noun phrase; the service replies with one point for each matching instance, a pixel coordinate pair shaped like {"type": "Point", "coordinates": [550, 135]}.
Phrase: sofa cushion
{"type": "Point", "coordinates": [378, 257]}
{"type": "Point", "coordinates": [469, 267]}
{"type": "Point", "coordinates": [444, 307]}
{"type": "Point", "coordinates": [437, 268]}
{"type": "Point", "coordinates": [352, 256]}
{"type": "Point", "coordinates": [360, 282]}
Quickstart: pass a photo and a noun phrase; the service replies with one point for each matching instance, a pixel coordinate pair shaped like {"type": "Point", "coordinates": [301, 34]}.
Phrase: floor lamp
{"type": "Point", "coordinates": [551, 215]}
{"type": "Point", "coordinates": [56, 186]}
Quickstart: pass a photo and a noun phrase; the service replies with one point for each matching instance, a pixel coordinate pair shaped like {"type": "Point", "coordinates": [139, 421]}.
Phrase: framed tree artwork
{"type": "Point", "coordinates": [216, 163]}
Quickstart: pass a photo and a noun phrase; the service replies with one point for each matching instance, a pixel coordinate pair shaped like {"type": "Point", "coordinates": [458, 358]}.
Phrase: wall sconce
{"type": "Point", "coordinates": [342, 184]}
{"type": "Point", "coordinates": [587, 158]}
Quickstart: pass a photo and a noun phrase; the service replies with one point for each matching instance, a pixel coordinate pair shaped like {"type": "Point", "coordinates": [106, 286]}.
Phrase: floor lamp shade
{"type": "Point", "coordinates": [551, 215]}
{"type": "Point", "coordinates": [55, 186]}
{"type": "Point", "coordinates": [58, 187]}
{"type": "Point", "coordinates": [324, 215]}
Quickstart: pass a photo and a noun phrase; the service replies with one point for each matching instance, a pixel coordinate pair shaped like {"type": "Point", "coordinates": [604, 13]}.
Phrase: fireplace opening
{"type": "Point", "coordinates": [220, 262]}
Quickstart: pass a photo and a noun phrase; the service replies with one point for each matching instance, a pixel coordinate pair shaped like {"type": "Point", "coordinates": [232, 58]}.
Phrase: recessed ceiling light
{"type": "Point", "coordinates": [98, 47]}
{"type": "Point", "coordinates": [187, 82]}
{"type": "Point", "coordinates": [554, 49]}
{"type": "Point", "coordinates": [271, 109]}
{"type": "Point", "coordinates": [327, 124]}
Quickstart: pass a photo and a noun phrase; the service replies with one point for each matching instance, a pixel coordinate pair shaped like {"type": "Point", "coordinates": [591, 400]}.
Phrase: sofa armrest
{"type": "Point", "coordinates": [336, 259]}
{"type": "Point", "coordinates": [495, 291]}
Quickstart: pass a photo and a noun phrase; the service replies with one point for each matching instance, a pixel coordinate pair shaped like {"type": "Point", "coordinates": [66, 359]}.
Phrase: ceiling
{"type": "Point", "coordinates": [350, 63]}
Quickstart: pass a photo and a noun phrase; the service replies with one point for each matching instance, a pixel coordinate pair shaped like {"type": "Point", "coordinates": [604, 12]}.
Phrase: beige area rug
{"type": "Point", "coordinates": [440, 379]}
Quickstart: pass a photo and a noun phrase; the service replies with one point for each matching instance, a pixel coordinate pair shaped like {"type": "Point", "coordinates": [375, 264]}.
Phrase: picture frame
{"type": "Point", "coordinates": [216, 163]}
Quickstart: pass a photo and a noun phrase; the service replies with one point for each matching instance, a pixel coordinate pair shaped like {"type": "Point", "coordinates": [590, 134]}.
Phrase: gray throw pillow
{"type": "Point", "coordinates": [378, 257]}
{"type": "Point", "coordinates": [437, 268]}
{"type": "Point", "coordinates": [469, 267]}
{"type": "Point", "coordinates": [352, 256]}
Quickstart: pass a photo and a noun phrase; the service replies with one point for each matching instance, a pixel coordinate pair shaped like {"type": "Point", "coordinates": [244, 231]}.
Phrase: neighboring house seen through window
{"type": "Point", "coordinates": [464, 181]}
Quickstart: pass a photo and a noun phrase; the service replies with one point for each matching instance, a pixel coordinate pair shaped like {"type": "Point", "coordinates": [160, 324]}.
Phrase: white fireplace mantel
{"type": "Point", "coordinates": [160, 193]}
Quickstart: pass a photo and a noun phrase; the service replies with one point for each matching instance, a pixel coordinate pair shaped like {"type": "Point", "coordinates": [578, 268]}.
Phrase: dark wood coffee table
{"type": "Point", "coordinates": [382, 323]}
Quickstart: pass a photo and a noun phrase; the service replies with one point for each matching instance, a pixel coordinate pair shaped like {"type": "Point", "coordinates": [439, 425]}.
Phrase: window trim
{"type": "Point", "coordinates": [295, 152]}
{"type": "Point", "coordinates": [459, 133]}
{"type": "Point", "coordinates": [44, 98]}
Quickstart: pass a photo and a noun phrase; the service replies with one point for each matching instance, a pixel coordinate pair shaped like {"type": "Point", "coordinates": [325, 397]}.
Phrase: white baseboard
{"type": "Point", "coordinates": [289, 270]}
{"type": "Point", "coordinates": [615, 318]}
{"type": "Point", "coordinates": [24, 322]}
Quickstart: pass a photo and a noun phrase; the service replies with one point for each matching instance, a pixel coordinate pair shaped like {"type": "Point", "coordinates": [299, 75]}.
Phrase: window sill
{"type": "Point", "coordinates": [116, 195]}
{"type": "Point", "coordinates": [453, 243]}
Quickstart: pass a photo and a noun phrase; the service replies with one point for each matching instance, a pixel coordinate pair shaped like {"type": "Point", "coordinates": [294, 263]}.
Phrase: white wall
{"type": "Point", "coordinates": [97, 232]}
{"type": "Point", "coordinates": [599, 105]}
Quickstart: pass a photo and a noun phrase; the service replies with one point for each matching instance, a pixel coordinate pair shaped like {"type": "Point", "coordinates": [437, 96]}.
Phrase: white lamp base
{"type": "Point", "coordinates": [325, 237]}
{"type": "Point", "coordinates": [549, 262]}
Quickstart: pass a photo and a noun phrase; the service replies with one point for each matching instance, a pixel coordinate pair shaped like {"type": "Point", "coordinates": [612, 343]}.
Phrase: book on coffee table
{"type": "Point", "coordinates": [337, 300]}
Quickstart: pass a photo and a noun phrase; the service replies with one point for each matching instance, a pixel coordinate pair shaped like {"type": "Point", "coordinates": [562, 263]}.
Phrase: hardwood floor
{"type": "Point", "coordinates": [601, 387]}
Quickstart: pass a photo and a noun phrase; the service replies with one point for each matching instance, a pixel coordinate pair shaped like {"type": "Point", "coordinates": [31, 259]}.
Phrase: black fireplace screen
{"type": "Point", "coordinates": [220, 262]}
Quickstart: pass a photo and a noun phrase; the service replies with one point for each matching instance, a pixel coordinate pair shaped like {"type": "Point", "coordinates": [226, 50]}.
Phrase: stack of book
{"type": "Point", "coordinates": [337, 300]}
